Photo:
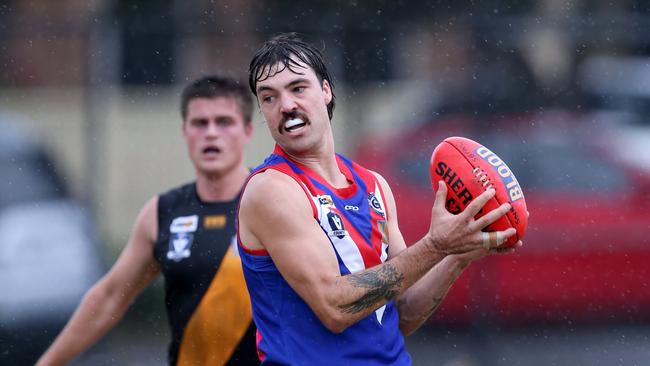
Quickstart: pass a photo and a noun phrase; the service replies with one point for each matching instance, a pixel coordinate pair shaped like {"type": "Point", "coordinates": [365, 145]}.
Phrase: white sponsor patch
{"type": "Point", "coordinates": [184, 224]}
{"type": "Point", "coordinates": [325, 200]}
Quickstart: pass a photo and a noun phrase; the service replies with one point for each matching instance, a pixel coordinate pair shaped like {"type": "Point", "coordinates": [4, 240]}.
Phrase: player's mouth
{"type": "Point", "coordinates": [211, 151]}
{"type": "Point", "coordinates": [294, 123]}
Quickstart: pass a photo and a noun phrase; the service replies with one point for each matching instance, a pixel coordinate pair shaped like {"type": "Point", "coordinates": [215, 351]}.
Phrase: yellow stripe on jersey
{"type": "Point", "coordinates": [221, 319]}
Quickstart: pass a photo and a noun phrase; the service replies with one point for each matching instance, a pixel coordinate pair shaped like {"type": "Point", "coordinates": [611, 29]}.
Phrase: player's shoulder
{"type": "Point", "coordinates": [271, 182]}
{"type": "Point", "coordinates": [272, 200]}
{"type": "Point", "coordinates": [180, 191]}
{"type": "Point", "coordinates": [368, 173]}
{"type": "Point", "coordinates": [377, 176]}
{"type": "Point", "coordinates": [179, 196]}
{"type": "Point", "coordinates": [151, 204]}
{"type": "Point", "coordinates": [147, 220]}
{"type": "Point", "coordinates": [273, 193]}
{"type": "Point", "coordinates": [384, 187]}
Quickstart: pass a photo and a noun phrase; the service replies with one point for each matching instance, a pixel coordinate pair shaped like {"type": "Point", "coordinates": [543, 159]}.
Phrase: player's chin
{"type": "Point", "coordinates": [214, 167]}
{"type": "Point", "coordinates": [299, 144]}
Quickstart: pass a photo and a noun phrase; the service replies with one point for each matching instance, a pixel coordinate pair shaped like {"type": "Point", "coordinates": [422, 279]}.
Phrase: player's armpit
{"type": "Point", "coordinates": [396, 243]}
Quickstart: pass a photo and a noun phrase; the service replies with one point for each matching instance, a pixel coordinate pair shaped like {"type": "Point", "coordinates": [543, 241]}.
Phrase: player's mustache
{"type": "Point", "coordinates": [294, 114]}
{"type": "Point", "coordinates": [291, 115]}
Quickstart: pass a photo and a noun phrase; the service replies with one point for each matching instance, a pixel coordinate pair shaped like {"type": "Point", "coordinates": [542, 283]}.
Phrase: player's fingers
{"type": "Point", "coordinates": [494, 239]}
{"type": "Point", "coordinates": [475, 206]}
{"type": "Point", "coordinates": [441, 195]}
{"type": "Point", "coordinates": [486, 240]}
{"type": "Point", "coordinates": [508, 249]}
{"type": "Point", "coordinates": [491, 216]}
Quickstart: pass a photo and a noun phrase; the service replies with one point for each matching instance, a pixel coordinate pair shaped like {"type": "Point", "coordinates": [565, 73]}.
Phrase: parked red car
{"type": "Point", "coordinates": [586, 254]}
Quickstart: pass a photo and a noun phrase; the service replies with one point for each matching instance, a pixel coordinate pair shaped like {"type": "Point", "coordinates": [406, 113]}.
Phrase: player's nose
{"type": "Point", "coordinates": [287, 104]}
{"type": "Point", "coordinates": [212, 129]}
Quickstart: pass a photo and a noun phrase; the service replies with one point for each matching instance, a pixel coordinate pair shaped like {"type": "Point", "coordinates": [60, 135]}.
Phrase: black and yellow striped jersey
{"type": "Point", "coordinates": [207, 303]}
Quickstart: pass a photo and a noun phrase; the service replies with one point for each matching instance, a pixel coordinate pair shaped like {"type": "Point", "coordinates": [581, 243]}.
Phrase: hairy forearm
{"type": "Point", "coordinates": [422, 299]}
{"type": "Point", "coordinates": [359, 294]}
{"type": "Point", "coordinates": [95, 316]}
{"type": "Point", "coordinates": [377, 286]}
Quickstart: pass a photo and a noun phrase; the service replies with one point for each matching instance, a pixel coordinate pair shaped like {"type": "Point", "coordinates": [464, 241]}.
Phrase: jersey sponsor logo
{"type": "Point", "coordinates": [351, 208]}
{"type": "Point", "coordinates": [336, 225]}
{"type": "Point", "coordinates": [184, 224]}
{"type": "Point", "coordinates": [214, 222]}
{"type": "Point", "coordinates": [374, 203]}
{"type": "Point", "coordinates": [456, 185]}
{"type": "Point", "coordinates": [325, 200]}
{"type": "Point", "coordinates": [182, 237]}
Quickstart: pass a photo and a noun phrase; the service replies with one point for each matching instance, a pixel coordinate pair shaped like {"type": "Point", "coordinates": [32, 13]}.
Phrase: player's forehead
{"type": "Point", "coordinates": [283, 73]}
{"type": "Point", "coordinates": [202, 107]}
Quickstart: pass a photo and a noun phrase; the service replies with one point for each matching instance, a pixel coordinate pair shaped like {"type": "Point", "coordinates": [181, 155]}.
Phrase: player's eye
{"type": "Point", "coordinates": [224, 122]}
{"type": "Point", "coordinates": [199, 122]}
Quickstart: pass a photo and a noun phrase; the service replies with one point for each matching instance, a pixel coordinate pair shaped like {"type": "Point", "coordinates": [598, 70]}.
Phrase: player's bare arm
{"type": "Point", "coordinates": [275, 215]}
{"type": "Point", "coordinates": [107, 301]}
{"type": "Point", "coordinates": [417, 304]}
{"type": "Point", "coordinates": [422, 299]}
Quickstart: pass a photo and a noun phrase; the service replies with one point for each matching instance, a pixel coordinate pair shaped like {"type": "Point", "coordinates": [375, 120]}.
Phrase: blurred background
{"type": "Point", "coordinates": [90, 129]}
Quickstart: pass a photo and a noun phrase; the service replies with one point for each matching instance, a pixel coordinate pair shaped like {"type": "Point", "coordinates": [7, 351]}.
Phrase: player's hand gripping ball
{"type": "Point", "coordinates": [468, 169]}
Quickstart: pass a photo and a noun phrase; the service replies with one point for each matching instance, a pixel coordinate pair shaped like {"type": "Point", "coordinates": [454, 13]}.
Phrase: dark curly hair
{"type": "Point", "coordinates": [218, 86]}
{"type": "Point", "coordinates": [289, 50]}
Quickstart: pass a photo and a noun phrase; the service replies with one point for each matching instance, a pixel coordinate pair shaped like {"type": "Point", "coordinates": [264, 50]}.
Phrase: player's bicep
{"type": "Point", "coordinates": [396, 242]}
{"type": "Point", "coordinates": [276, 213]}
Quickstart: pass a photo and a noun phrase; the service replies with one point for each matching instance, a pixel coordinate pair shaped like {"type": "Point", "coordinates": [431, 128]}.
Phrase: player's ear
{"type": "Point", "coordinates": [248, 130]}
{"type": "Point", "coordinates": [327, 91]}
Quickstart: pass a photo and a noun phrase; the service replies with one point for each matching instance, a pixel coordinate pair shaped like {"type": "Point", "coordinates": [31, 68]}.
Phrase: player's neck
{"type": "Point", "coordinates": [323, 162]}
{"type": "Point", "coordinates": [220, 188]}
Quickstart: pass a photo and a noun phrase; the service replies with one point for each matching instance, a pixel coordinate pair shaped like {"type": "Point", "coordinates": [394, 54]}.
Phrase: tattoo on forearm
{"type": "Point", "coordinates": [382, 284]}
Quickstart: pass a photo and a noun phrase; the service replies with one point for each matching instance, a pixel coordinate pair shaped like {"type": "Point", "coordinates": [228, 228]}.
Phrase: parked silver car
{"type": "Point", "coordinates": [49, 253]}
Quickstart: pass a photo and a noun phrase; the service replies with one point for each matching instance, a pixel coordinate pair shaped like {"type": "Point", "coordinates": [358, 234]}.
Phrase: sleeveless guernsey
{"type": "Point", "coordinates": [353, 219]}
{"type": "Point", "coordinates": [205, 295]}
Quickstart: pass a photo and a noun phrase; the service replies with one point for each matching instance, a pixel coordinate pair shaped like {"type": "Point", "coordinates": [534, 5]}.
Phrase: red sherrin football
{"type": "Point", "coordinates": [468, 169]}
